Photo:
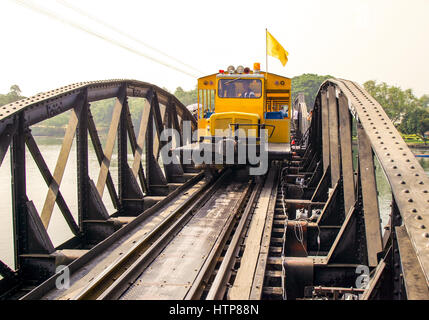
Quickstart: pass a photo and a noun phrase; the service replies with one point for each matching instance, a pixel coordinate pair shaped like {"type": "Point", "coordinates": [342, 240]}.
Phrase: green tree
{"type": "Point", "coordinates": [395, 101]}
{"type": "Point", "coordinates": [15, 90]}
{"type": "Point", "coordinates": [416, 121]}
{"type": "Point", "coordinates": [308, 84]}
{"type": "Point", "coordinates": [186, 97]}
{"type": "Point", "coordinates": [13, 95]}
{"type": "Point", "coordinates": [424, 101]}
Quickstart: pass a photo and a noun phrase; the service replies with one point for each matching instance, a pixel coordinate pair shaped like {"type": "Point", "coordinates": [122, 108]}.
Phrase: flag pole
{"type": "Point", "coordinates": [266, 53]}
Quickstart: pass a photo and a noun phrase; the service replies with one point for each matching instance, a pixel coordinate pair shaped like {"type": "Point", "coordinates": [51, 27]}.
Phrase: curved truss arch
{"type": "Point", "coordinates": [140, 186]}
{"type": "Point", "coordinates": [330, 137]}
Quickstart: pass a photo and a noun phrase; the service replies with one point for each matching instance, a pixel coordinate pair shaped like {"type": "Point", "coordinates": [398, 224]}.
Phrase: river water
{"type": "Point", "coordinates": [58, 229]}
{"type": "Point", "coordinates": [37, 191]}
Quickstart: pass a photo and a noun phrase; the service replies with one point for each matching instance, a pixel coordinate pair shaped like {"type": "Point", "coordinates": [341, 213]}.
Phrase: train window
{"type": "Point", "coordinates": [285, 109]}
{"type": "Point", "coordinates": [240, 88]}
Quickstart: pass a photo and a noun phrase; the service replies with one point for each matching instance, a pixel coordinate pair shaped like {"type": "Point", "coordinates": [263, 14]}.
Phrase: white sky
{"type": "Point", "coordinates": [384, 40]}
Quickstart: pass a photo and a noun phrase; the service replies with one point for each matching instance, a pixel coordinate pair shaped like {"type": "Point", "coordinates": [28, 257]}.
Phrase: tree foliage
{"type": "Point", "coordinates": [409, 113]}
{"type": "Point", "coordinates": [186, 97]}
{"type": "Point", "coordinates": [416, 121]}
{"type": "Point", "coordinates": [395, 101]}
{"type": "Point", "coordinates": [13, 95]}
{"type": "Point", "coordinates": [308, 84]}
{"type": "Point", "coordinates": [424, 101]}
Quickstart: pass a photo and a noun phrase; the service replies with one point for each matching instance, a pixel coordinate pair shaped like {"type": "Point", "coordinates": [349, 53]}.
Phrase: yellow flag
{"type": "Point", "coordinates": [275, 49]}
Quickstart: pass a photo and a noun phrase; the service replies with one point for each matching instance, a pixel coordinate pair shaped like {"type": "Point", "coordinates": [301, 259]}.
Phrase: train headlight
{"type": "Point", "coordinates": [230, 69]}
{"type": "Point", "coordinates": [240, 69]}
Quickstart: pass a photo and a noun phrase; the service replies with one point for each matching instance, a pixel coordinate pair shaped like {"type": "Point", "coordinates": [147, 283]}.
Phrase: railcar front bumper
{"type": "Point", "coordinates": [230, 151]}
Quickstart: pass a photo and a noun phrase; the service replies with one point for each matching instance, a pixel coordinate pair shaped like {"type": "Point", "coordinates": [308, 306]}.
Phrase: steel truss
{"type": "Point", "coordinates": [140, 186]}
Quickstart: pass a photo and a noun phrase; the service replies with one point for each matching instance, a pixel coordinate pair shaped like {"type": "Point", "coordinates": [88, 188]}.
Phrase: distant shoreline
{"type": "Point", "coordinates": [418, 146]}
{"type": "Point", "coordinates": [410, 145]}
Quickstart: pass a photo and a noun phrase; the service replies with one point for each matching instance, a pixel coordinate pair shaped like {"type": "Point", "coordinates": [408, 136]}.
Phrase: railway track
{"type": "Point", "coordinates": [274, 276]}
{"type": "Point", "coordinates": [189, 250]}
{"type": "Point", "coordinates": [190, 258]}
{"type": "Point", "coordinates": [123, 271]}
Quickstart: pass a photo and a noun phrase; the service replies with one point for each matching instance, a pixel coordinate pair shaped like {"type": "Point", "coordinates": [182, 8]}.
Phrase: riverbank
{"type": "Point", "coordinates": [418, 146]}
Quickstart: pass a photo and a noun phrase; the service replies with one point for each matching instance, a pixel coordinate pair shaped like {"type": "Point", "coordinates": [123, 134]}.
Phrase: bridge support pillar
{"type": "Point", "coordinates": [128, 185]}
{"type": "Point", "coordinates": [19, 192]}
{"type": "Point", "coordinates": [82, 165]}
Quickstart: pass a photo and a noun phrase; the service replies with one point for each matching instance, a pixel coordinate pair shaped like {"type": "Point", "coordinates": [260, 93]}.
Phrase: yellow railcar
{"type": "Point", "coordinates": [250, 100]}
{"type": "Point", "coordinates": [244, 117]}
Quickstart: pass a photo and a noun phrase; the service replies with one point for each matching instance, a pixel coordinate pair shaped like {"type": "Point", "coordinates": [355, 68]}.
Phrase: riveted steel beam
{"type": "Point", "coordinates": [334, 145]}
{"type": "Point", "coordinates": [5, 140]}
{"type": "Point", "coordinates": [369, 195]}
{"type": "Point", "coordinates": [82, 164]}
{"type": "Point", "coordinates": [414, 278]}
{"type": "Point", "coordinates": [19, 191]}
{"type": "Point", "coordinates": [346, 153]}
{"type": "Point", "coordinates": [408, 181]}
{"type": "Point", "coordinates": [325, 131]}
{"type": "Point", "coordinates": [128, 185]}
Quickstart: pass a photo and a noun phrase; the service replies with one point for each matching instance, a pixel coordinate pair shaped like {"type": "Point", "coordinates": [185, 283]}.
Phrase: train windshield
{"type": "Point", "coordinates": [240, 88]}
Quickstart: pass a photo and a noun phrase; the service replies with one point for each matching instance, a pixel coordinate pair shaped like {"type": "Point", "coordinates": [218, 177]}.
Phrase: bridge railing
{"type": "Point", "coordinates": [146, 178]}
{"type": "Point", "coordinates": [347, 121]}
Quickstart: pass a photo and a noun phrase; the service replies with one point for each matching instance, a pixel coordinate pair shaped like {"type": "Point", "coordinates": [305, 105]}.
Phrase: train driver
{"type": "Point", "coordinates": [248, 92]}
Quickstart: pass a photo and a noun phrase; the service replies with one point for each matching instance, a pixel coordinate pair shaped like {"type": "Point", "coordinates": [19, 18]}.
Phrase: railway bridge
{"type": "Point", "coordinates": [310, 228]}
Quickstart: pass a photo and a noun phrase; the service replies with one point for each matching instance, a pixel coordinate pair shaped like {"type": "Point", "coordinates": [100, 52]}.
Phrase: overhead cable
{"type": "Point", "coordinates": [123, 33]}
{"type": "Point", "coordinates": [31, 5]}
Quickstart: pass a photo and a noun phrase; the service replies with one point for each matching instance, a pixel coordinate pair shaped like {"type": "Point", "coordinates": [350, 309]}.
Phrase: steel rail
{"type": "Point", "coordinates": [115, 279]}
{"type": "Point", "coordinates": [218, 287]}
{"type": "Point", "coordinates": [209, 266]}
{"type": "Point", "coordinates": [409, 182]}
